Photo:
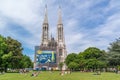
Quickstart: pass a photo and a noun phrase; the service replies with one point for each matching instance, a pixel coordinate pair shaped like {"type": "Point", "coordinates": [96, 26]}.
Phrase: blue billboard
{"type": "Point", "coordinates": [46, 57]}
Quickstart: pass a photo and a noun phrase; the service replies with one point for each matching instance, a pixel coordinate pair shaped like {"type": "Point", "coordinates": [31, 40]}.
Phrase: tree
{"type": "Point", "coordinates": [115, 47]}
{"type": "Point", "coordinates": [6, 60]}
{"type": "Point", "coordinates": [15, 48]}
{"type": "Point", "coordinates": [94, 64]}
{"type": "Point", "coordinates": [3, 47]}
{"type": "Point", "coordinates": [61, 65]}
{"type": "Point", "coordinates": [70, 58]}
{"type": "Point", "coordinates": [72, 61]}
{"type": "Point", "coordinates": [114, 54]}
{"type": "Point", "coordinates": [73, 66]}
{"type": "Point", "coordinates": [81, 61]}
{"type": "Point", "coordinates": [11, 55]}
{"type": "Point", "coordinates": [25, 62]}
{"type": "Point", "coordinates": [92, 58]}
{"type": "Point", "coordinates": [92, 52]}
{"type": "Point", "coordinates": [82, 64]}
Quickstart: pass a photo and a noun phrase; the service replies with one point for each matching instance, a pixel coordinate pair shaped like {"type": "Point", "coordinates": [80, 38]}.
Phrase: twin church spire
{"type": "Point", "coordinates": [59, 16]}
{"type": "Point", "coordinates": [58, 44]}
{"type": "Point", "coordinates": [45, 29]}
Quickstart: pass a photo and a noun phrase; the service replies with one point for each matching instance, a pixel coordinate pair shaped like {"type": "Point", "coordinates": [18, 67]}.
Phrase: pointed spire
{"type": "Point", "coordinates": [59, 16]}
{"type": "Point", "coordinates": [46, 15]}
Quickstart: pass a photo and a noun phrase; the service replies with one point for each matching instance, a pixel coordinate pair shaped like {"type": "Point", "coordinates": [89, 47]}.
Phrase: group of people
{"type": "Point", "coordinates": [35, 74]}
{"type": "Point", "coordinates": [22, 71]}
{"type": "Point", "coordinates": [65, 72]}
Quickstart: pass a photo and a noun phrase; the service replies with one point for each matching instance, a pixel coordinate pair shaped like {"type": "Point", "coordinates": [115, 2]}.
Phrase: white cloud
{"type": "Point", "coordinates": [111, 26]}
{"type": "Point", "coordinates": [22, 12]}
{"type": "Point", "coordinates": [2, 24]}
{"type": "Point", "coordinates": [29, 15]}
{"type": "Point", "coordinates": [114, 5]}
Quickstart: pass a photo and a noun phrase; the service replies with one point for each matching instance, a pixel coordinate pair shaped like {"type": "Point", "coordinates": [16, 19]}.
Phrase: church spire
{"type": "Point", "coordinates": [46, 15]}
{"type": "Point", "coordinates": [59, 16]}
{"type": "Point", "coordinates": [45, 29]}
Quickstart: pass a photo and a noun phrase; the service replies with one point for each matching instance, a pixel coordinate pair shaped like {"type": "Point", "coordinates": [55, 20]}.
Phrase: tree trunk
{"type": "Point", "coordinates": [5, 68]}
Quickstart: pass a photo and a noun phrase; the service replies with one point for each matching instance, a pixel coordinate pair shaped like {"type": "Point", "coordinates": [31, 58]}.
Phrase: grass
{"type": "Point", "coordinates": [55, 76]}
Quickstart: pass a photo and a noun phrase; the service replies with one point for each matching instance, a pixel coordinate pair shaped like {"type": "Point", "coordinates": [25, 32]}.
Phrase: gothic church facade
{"type": "Point", "coordinates": [55, 46]}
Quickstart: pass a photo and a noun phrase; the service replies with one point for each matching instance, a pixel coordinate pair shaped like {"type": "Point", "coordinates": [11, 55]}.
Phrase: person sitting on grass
{"type": "Point", "coordinates": [32, 74]}
{"type": "Point", "coordinates": [35, 74]}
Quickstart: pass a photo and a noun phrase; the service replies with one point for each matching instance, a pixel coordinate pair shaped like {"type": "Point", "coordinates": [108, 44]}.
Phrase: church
{"type": "Point", "coordinates": [52, 51]}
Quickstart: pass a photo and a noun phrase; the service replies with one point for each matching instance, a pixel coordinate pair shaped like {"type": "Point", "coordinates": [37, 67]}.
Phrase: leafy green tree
{"type": "Point", "coordinates": [15, 48]}
{"type": "Point", "coordinates": [70, 58]}
{"type": "Point", "coordinates": [3, 47]}
{"type": "Point", "coordinates": [92, 52]}
{"type": "Point", "coordinates": [115, 47]}
{"type": "Point", "coordinates": [94, 64]}
{"type": "Point", "coordinates": [6, 60]}
{"type": "Point", "coordinates": [114, 60]}
{"type": "Point", "coordinates": [81, 61]}
{"type": "Point", "coordinates": [61, 65]}
{"type": "Point", "coordinates": [11, 55]}
{"type": "Point", "coordinates": [26, 62]}
{"type": "Point", "coordinates": [73, 66]}
{"type": "Point", "coordinates": [93, 58]}
{"type": "Point", "coordinates": [82, 64]}
{"type": "Point", "coordinates": [72, 61]}
{"type": "Point", "coordinates": [114, 54]}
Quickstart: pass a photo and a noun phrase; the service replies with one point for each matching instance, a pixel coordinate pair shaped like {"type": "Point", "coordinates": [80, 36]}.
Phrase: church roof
{"type": "Point", "coordinates": [52, 42]}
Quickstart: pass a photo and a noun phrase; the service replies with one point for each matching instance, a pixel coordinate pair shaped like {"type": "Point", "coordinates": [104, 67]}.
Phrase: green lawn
{"type": "Point", "coordinates": [56, 76]}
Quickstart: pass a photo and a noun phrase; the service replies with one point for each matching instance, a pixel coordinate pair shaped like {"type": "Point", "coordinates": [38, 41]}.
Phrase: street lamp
{"type": "Point", "coordinates": [48, 63]}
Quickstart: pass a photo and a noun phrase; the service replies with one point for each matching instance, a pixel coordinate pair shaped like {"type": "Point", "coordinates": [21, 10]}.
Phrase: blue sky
{"type": "Point", "coordinates": [86, 22]}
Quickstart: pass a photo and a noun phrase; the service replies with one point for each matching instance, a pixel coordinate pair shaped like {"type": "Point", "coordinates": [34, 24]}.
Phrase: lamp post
{"type": "Point", "coordinates": [48, 63]}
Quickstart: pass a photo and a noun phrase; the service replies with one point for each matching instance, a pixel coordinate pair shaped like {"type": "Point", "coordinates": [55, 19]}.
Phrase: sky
{"type": "Point", "coordinates": [87, 23]}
